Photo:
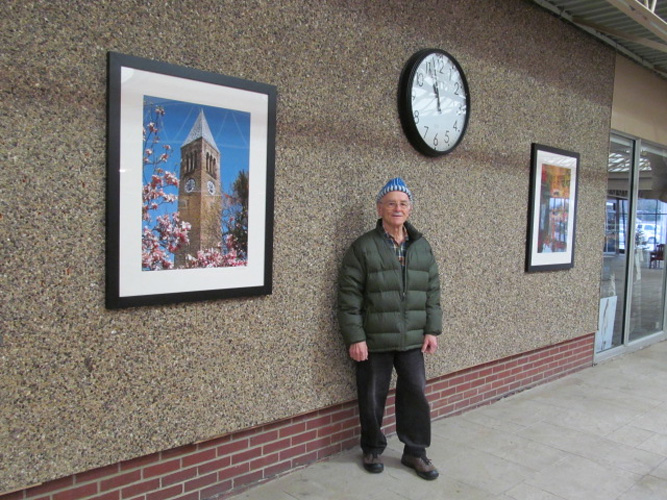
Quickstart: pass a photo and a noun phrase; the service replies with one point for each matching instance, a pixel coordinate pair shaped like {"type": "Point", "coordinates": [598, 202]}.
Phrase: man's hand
{"type": "Point", "coordinates": [359, 351]}
{"type": "Point", "coordinates": [430, 344]}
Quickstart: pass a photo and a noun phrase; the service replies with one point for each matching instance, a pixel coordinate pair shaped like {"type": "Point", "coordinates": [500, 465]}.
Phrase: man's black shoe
{"type": "Point", "coordinates": [422, 465]}
{"type": "Point", "coordinates": [373, 463]}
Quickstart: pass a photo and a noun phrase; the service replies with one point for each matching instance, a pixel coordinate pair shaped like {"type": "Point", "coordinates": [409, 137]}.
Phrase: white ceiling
{"type": "Point", "coordinates": [636, 28]}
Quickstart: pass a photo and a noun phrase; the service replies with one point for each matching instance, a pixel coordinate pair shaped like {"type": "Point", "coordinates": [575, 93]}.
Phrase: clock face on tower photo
{"type": "Point", "coordinates": [195, 185]}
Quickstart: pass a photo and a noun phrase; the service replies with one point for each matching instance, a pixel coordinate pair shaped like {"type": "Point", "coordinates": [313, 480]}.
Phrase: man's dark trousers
{"type": "Point", "coordinates": [413, 418]}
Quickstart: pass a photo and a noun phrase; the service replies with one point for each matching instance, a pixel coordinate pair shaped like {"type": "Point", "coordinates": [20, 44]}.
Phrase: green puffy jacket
{"type": "Point", "coordinates": [374, 304]}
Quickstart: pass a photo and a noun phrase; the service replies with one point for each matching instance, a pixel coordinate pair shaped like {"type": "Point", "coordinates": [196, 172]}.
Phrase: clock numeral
{"type": "Point", "coordinates": [456, 126]}
{"type": "Point", "coordinates": [425, 131]}
{"type": "Point", "coordinates": [435, 141]}
{"type": "Point", "coordinates": [420, 79]}
{"type": "Point", "coordinates": [442, 65]}
{"type": "Point", "coordinates": [416, 117]}
{"type": "Point", "coordinates": [453, 72]}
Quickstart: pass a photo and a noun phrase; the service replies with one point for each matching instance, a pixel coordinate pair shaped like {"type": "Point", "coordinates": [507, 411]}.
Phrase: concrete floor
{"type": "Point", "coordinates": [600, 433]}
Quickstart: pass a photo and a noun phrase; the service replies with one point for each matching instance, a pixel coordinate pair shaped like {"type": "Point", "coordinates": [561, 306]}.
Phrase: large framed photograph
{"type": "Point", "coordinates": [190, 184]}
{"type": "Point", "coordinates": [552, 209]}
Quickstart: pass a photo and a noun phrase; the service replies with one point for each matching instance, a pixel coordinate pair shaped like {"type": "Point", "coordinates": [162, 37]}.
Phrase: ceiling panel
{"type": "Point", "coordinates": [635, 28]}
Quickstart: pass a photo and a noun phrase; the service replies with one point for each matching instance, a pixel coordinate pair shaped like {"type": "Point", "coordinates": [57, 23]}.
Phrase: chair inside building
{"type": "Point", "coordinates": [657, 256]}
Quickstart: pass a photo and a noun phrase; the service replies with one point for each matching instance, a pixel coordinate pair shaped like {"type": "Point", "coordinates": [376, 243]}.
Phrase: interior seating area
{"type": "Point", "coordinates": [657, 256]}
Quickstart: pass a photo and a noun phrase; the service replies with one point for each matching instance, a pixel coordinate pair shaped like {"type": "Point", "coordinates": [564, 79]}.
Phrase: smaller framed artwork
{"type": "Point", "coordinates": [190, 184]}
{"type": "Point", "coordinates": [552, 210]}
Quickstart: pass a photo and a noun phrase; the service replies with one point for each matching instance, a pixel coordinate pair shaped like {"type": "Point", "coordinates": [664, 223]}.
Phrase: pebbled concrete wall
{"type": "Point", "coordinates": [82, 386]}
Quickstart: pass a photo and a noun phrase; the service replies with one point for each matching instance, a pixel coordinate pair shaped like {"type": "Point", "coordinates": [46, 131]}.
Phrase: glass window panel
{"type": "Point", "coordinates": [612, 279]}
{"type": "Point", "coordinates": [647, 308]}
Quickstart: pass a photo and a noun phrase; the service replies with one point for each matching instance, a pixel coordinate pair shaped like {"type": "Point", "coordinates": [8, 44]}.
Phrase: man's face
{"type": "Point", "coordinates": [394, 208]}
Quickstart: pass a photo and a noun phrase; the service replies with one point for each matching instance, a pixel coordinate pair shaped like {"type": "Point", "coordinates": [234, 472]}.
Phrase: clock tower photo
{"type": "Point", "coordinates": [199, 193]}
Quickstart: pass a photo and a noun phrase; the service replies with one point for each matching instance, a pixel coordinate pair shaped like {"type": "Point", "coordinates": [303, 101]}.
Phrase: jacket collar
{"type": "Point", "coordinates": [412, 232]}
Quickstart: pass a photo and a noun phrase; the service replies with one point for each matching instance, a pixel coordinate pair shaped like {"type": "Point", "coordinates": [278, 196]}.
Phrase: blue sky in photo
{"type": "Point", "coordinates": [230, 129]}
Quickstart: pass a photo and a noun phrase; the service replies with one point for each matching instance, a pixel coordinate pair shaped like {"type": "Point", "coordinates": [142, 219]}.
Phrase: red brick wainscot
{"type": "Point", "coordinates": [230, 464]}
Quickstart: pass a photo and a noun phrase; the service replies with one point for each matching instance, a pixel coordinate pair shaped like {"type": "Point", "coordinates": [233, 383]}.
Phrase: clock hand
{"type": "Point", "coordinates": [436, 89]}
{"type": "Point", "coordinates": [437, 95]}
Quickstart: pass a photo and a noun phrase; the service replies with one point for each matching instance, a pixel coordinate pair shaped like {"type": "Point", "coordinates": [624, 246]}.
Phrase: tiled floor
{"type": "Point", "coordinates": [598, 434]}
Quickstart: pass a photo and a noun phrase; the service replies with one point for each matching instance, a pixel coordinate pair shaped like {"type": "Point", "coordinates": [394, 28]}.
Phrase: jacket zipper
{"type": "Point", "coordinates": [404, 298]}
{"type": "Point", "coordinates": [405, 275]}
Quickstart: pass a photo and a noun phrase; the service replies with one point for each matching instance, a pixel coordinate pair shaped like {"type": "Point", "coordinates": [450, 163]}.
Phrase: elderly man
{"type": "Point", "coordinates": [389, 314]}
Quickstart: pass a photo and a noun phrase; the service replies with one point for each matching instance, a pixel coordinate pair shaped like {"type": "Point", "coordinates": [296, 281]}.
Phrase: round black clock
{"type": "Point", "coordinates": [433, 102]}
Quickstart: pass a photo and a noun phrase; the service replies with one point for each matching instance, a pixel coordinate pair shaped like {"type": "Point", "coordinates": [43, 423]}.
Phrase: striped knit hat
{"type": "Point", "coordinates": [395, 184]}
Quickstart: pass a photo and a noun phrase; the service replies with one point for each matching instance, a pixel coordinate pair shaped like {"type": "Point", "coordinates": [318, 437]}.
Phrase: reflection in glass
{"type": "Point", "coordinates": [646, 313]}
{"type": "Point", "coordinates": [612, 280]}
{"type": "Point", "coordinates": [632, 310]}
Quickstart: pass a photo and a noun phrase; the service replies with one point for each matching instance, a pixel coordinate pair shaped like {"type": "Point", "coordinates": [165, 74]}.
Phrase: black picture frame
{"type": "Point", "coordinates": [141, 253]}
{"type": "Point", "coordinates": [552, 209]}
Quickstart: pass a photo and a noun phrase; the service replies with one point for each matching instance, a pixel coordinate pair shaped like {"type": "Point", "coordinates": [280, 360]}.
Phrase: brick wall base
{"type": "Point", "coordinates": [235, 462]}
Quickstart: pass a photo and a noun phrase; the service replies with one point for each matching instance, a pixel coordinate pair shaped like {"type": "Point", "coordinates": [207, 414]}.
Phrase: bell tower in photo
{"type": "Point", "coordinates": [199, 194]}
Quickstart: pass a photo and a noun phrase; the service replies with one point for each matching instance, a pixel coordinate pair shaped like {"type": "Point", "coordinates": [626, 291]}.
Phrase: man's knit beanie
{"type": "Point", "coordinates": [396, 184]}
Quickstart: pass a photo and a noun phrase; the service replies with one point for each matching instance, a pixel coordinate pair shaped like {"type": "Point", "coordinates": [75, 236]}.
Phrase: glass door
{"type": "Point", "coordinates": [632, 283]}
{"type": "Point", "coordinates": [648, 294]}
{"type": "Point", "coordinates": [614, 268]}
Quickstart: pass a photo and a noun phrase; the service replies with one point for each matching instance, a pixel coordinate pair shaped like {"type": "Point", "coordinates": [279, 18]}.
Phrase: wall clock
{"type": "Point", "coordinates": [433, 102]}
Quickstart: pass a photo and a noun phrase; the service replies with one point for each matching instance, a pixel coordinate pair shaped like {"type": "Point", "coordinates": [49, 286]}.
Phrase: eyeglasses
{"type": "Point", "coordinates": [397, 204]}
